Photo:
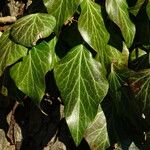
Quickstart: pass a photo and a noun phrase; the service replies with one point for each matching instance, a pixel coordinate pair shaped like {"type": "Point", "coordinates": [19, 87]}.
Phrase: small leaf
{"type": "Point", "coordinates": [29, 75]}
{"type": "Point", "coordinates": [148, 9]}
{"type": "Point", "coordinates": [140, 85]}
{"type": "Point", "coordinates": [91, 26]}
{"type": "Point", "coordinates": [96, 134]}
{"type": "Point", "coordinates": [118, 13]}
{"type": "Point", "coordinates": [133, 147]}
{"type": "Point", "coordinates": [62, 10]}
{"type": "Point", "coordinates": [10, 52]}
{"type": "Point", "coordinates": [29, 29]}
{"type": "Point", "coordinates": [135, 9]}
{"type": "Point", "coordinates": [83, 86]}
{"type": "Point", "coordinates": [4, 90]}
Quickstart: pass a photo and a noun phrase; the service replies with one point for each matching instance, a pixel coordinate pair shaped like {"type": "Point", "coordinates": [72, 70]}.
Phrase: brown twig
{"type": "Point", "coordinates": [8, 19]}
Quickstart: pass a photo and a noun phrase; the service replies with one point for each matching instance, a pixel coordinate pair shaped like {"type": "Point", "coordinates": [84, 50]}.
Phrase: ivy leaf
{"type": "Point", "coordinates": [83, 86]}
{"type": "Point", "coordinates": [29, 75]}
{"type": "Point", "coordinates": [96, 134]}
{"type": "Point", "coordinates": [10, 52]}
{"type": "Point", "coordinates": [148, 9]}
{"type": "Point", "coordinates": [29, 29]}
{"type": "Point", "coordinates": [118, 13]}
{"type": "Point", "coordinates": [112, 55]}
{"type": "Point", "coordinates": [135, 9]}
{"type": "Point", "coordinates": [62, 10]}
{"type": "Point", "coordinates": [140, 85]}
{"type": "Point", "coordinates": [91, 26]}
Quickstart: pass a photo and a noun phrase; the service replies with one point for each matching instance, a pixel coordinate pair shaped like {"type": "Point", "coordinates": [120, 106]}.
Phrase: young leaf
{"type": "Point", "coordinates": [96, 134]}
{"type": "Point", "coordinates": [83, 86]}
{"type": "Point", "coordinates": [118, 13]}
{"type": "Point", "coordinates": [62, 10]}
{"type": "Point", "coordinates": [29, 75]}
{"type": "Point", "coordinates": [10, 52]}
{"type": "Point", "coordinates": [135, 9]}
{"type": "Point", "coordinates": [29, 29]}
{"type": "Point", "coordinates": [140, 85]}
{"type": "Point", "coordinates": [91, 26]}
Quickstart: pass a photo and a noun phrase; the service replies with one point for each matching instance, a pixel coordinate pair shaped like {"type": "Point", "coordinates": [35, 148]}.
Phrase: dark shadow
{"type": "Point", "coordinates": [6, 105]}
{"type": "Point", "coordinates": [66, 138]}
{"type": "Point", "coordinates": [37, 128]}
{"type": "Point", "coordinates": [4, 9]}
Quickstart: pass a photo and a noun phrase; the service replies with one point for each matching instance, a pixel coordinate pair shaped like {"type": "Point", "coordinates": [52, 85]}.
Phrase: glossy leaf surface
{"type": "Point", "coordinates": [62, 10]}
{"type": "Point", "coordinates": [91, 26]}
{"type": "Point", "coordinates": [10, 52]}
{"type": "Point", "coordinates": [29, 29]}
{"type": "Point", "coordinates": [96, 131]}
{"type": "Point", "coordinates": [83, 86]}
{"type": "Point", "coordinates": [29, 74]}
{"type": "Point", "coordinates": [118, 13]}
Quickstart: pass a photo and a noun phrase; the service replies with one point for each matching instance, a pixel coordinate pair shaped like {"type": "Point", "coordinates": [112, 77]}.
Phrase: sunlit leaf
{"type": "Point", "coordinates": [91, 26]}
{"type": "Point", "coordinates": [96, 134]}
{"type": "Point", "coordinates": [62, 10]}
{"type": "Point", "coordinates": [29, 29]}
{"type": "Point", "coordinates": [29, 74]}
{"type": "Point", "coordinates": [83, 86]}
{"type": "Point", "coordinates": [118, 13]}
{"type": "Point", "coordinates": [10, 52]}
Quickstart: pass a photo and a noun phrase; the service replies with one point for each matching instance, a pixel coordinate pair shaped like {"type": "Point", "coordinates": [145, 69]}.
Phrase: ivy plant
{"type": "Point", "coordinates": [99, 54]}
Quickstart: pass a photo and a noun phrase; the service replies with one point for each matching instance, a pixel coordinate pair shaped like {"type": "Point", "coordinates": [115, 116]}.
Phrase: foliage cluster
{"type": "Point", "coordinates": [99, 54]}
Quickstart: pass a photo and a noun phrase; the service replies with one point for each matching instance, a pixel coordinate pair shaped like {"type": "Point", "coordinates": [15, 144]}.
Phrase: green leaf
{"type": "Point", "coordinates": [10, 52]}
{"type": "Point", "coordinates": [29, 29]}
{"type": "Point", "coordinates": [140, 85]}
{"type": "Point", "coordinates": [62, 10]}
{"type": "Point", "coordinates": [115, 86]}
{"type": "Point", "coordinates": [133, 147]}
{"type": "Point", "coordinates": [118, 13]}
{"type": "Point", "coordinates": [112, 55]}
{"type": "Point", "coordinates": [29, 75]}
{"type": "Point", "coordinates": [83, 86]}
{"type": "Point", "coordinates": [91, 26]}
{"type": "Point", "coordinates": [135, 9]}
{"type": "Point", "coordinates": [148, 9]}
{"type": "Point", "coordinates": [96, 134]}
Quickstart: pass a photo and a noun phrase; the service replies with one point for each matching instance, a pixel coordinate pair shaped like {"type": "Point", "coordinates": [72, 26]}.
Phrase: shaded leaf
{"type": "Point", "coordinates": [148, 9]}
{"type": "Point", "coordinates": [10, 52]}
{"type": "Point", "coordinates": [91, 26]}
{"type": "Point", "coordinates": [133, 147]}
{"type": "Point", "coordinates": [135, 9]}
{"type": "Point", "coordinates": [83, 86]}
{"type": "Point", "coordinates": [29, 29]}
{"type": "Point", "coordinates": [62, 10]}
{"type": "Point", "coordinates": [140, 61]}
{"type": "Point", "coordinates": [112, 55]}
{"type": "Point", "coordinates": [136, 53]}
{"type": "Point", "coordinates": [140, 85]}
{"type": "Point", "coordinates": [96, 134]}
{"type": "Point", "coordinates": [29, 75]}
{"type": "Point", "coordinates": [118, 13]}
